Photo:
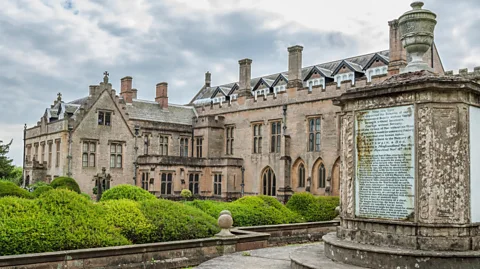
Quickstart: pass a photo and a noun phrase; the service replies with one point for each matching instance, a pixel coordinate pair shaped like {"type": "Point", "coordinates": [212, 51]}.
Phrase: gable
{"type": "Point", "coordinates": [218, 93]}
{"type": "Point", "coordinates": [261, 84]}
{"type": "Point", "coordinates": [280, 80]}
{"type": "Point", "coordinates": [376, 61]}
{"type": "Point", "coordinates": [88, 125]}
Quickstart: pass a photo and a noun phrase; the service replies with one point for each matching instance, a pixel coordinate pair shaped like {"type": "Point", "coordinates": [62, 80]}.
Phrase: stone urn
{"type": "Point", "coordinates": [416, 30]}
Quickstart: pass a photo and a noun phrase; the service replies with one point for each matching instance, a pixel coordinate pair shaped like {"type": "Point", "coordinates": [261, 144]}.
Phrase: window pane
{"type": "Point", "coordinates": [92, 160]}
{"type": "Point", "coordinates": [196, 177]}
{"type": "Point", "coordinates": [310, 142]}
{"type": "Point", "coordinates": [119, 161]}
{"type": "Point", "coordinates": [92, 147]}
{"type": "Point", "coordinates": [272, 149]}
{"type": "Point", "coordinates": [279, 128]}
{"type": "Point", "coordinates": [107, 118]}
{"type": "Point", "coordinates": [100, 118]}
{"type": "Point", "coordinates": [274, 128]}
{"type": "Point", "coordinates": [259, 130]}
{"type": "Point", "coordinates": [259, 145]}
{"type": "Point", "coordinates": [310, 128]}
{"type": "Point", "coordinates": [255, 130]}
{"type": "Point", "coordinates": [112, 148]}
{"type": "Point", "coordinates": [169, 188]}
{"type": "Point", "coordinates": [255, 149]}
{"type": "Point", "coordinates": [85, 159]}
{"type": "Point", "coordinates": [317, 142]}
{"type": "Point", "coordinates": [169, 177]}
{"type": "Point", "coordinates": [317, 125]}
{"type": "Point", "coordinates": [164, 177]}
{"type": "Point", "coordinates": [85, 147]}
{"type": "Point", "coordinates": [278, 143]}
{"type": "Point", "coordinates": [119, 148]}
{"type": "Point", "coordinates": [165, 150]}
{"type": "Point", "coordinates": [112, 161]}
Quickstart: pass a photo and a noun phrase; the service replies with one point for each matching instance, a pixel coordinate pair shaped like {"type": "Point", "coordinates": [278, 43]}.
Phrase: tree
{"type": "Point", "coordinates": [6, 167]}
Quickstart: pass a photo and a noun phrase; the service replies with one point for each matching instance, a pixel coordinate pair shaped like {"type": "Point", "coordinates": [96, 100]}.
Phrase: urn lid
{"type": "Point", "coordinates": [417, 13]}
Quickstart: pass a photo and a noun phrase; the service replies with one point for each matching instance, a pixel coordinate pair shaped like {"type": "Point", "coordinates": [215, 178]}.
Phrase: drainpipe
{"type": "Point", "coordinates": [69, 157]}
{"type": "Point", "coordinates": [135, 162]}
{"type": "Point", "coordinates": [24, 144]}
{"type": "Point", "coordinates": [243, 180]}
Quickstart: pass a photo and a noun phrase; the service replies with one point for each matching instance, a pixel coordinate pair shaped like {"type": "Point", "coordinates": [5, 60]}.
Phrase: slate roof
{"type": "Point", "coordinates": [151, 111]}
{"type": "Point", "coordinates": [357, 63]}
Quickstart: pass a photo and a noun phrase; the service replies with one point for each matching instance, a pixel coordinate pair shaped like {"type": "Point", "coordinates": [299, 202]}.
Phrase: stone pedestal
{"type": "Point", "coordinates": [410, 157]}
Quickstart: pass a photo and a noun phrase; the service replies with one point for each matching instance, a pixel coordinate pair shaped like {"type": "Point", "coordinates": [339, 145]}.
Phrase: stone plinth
{"type": "Point", "coordinates": [408, 175]}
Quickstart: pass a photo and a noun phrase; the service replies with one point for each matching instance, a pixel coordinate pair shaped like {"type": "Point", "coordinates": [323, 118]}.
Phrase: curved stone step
{"type": "Point", "coordinates": [312, 257]}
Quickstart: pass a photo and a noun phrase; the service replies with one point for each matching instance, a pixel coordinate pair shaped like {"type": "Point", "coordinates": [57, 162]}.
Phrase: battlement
{"type": "Point", "coordinates": [464, 72]}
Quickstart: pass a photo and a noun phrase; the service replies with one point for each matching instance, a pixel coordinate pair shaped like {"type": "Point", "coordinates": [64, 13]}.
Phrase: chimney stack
{"type": "Point", "coordinates": [245, 77]}
{"type": "Point", "coordinates": [161, 95]}
{"type": "Point", "coordinates": [126, 89]}
{"type": "Point", "coordinates": [398, 54]}
{"type": "Point", "coordinates": [295, 67]}
{"type": "Point", "coordinates": [134, 93]}
{"type": "Point", "coordinates": [208, 79]}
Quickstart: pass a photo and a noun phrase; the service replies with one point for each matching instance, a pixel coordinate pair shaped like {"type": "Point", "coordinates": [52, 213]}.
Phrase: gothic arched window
{"type": "Point", "coordinates": [321, 176]}
{"type": "Point", "coordinates": [269, 182]}
{"type": "Point", "coordinates": [301, 176]}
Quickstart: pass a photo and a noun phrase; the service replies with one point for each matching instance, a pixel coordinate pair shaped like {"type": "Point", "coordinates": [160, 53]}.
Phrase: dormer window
{"type": "Point", "coordinates": [315, 82]}
{"type": "Point", "coordinates": [343, 77]}
{"type": "Point", "coordinates": [104, 118]}
{"type": "Point", "coordinates": [375, 72]}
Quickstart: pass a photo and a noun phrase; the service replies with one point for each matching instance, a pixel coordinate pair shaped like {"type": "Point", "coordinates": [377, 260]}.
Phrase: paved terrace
{"type": "Point", "coordinates": [293, 256]}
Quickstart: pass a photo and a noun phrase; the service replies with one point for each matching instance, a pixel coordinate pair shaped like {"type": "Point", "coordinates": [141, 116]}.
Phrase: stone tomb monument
{"type": "Point", "coordinates": [410, 174]}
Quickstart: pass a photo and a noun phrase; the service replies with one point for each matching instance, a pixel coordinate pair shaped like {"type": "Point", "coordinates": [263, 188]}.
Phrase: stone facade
{"type": "Point", "coordinates": [272, 135]}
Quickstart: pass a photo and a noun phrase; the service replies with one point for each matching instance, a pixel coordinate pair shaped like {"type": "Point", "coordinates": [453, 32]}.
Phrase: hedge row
{"type": "Point", "coordinates": [61, 219]}
{"type": "Point", "coordinates": [314, 208]}
{"type": "Point", "coordinates": [251, 211]}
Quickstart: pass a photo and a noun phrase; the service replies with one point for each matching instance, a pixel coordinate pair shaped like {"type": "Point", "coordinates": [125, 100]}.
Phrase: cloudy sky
{"type": "Point", "coordinates": [50, 46]}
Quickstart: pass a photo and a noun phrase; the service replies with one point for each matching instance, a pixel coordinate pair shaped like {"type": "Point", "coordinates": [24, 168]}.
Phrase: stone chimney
{"type": "Point", "coordinates": [126, 89]}
{"type": "Point", "coordinates": [295, 67]}
{"type": "Point", "coordinates": [398, 54]}
{"type": "Point", "coordinates": [161, 96]}
{"type": "Point", "coordinates": [208, 79]}
{"type": "Point", "coordinates": [134, 93]}
{"type": "Point", "coordinates": [245, 77]}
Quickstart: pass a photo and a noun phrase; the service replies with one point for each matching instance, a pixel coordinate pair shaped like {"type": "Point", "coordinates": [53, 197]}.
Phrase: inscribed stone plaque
{"type": "Point", "coordinates": [475, 163]}
{"type": "Point", "coordinates": [384, 166]}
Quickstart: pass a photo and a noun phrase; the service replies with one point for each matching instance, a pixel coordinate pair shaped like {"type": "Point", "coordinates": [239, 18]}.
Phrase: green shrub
{"type": "Point", "coordinates": [58, 220]}
{"type": "Point", "coordinates": [250, 211]}
{"type": "Point", "coordinates": [41, 189]}
{"type": "Point", "coordinates": [86, 195]}
{"type": "Point", "coordinates": [186, 193]}
{"type": "Point", "coordinates": [127, 216]}
{"type": "Point", "coordinates": [320, 208]}
{"type": "Point", "coordinates": [177, 221]}
{"type": "Point", "coordinates": [65, 183]}
{"type": "Point", "coordinates": [126, 191]}
{"type": "Point", "coordinates": [8, 188]}
{"type": "Point", "coordinates": [34, 186]}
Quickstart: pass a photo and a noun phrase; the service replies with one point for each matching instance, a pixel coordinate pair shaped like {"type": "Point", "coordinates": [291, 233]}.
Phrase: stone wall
{"type": "Point", "coordinates": [176, 254]}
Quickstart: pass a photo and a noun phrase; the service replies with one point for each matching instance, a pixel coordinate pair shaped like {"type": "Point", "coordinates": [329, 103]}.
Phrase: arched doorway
{"type": "Point", "coordinates": [269, 182]}
{"type": "Point", "coordinates": [335, 183]}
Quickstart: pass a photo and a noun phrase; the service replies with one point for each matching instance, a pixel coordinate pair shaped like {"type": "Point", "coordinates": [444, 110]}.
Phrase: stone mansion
{"type": "Point", "coordinates": [273, 135]}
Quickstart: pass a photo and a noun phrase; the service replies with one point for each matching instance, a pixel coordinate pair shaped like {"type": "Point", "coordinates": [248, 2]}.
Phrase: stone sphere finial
{"type": "Point", "coordinates": [225, 222]}
{"type": "Point", "coordinates": [416, 29]}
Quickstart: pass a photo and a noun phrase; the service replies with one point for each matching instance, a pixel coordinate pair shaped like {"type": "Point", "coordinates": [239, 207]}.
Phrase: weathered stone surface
{"type": "Point", "coordinates": [394, 258]}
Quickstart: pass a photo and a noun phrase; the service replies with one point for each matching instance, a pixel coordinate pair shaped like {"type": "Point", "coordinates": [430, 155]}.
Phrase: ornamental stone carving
{"type": "Point", "coordinates": [416, 29]}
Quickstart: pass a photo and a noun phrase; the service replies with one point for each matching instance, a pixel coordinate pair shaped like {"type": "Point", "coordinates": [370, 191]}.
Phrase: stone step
{"type": "Point", "coordinates": [312, 257]}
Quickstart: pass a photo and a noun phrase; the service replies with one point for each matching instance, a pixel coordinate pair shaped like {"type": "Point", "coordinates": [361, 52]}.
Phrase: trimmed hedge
{"type": "Point", "coordinates": [128, 218]}
{"type": "Point", "coordinates": [41, 189]}
{"type": "Point", "coordinates": [58, 220]}
{"type": "Point", "coordinates": [125, 191]}
{"type": "Point", "coordinates": [65, 183]}
{"type": "Point", "coordinates": [177, 221]}
{"type": "Point", "coordinates": [250, 211]}
{"type": "Point", "coordinates": [8, 188]}
{"type": "Point", "coordinates": [314, 208]}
